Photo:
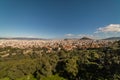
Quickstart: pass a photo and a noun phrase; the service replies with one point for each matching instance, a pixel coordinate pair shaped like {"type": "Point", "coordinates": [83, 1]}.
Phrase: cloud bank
{"type": "Point", "coordinates": [109, 28]}
{"type": "Point", "coordinates": [78, 35]}
{"type": "Point", "coordinates": [69, 35]}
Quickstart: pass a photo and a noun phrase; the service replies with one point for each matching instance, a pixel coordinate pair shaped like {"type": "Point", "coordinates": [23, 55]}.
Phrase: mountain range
{"type": "Point", "coordinates": [112, 38]}
{"type": "Point", "coordinates": [21, 38]}
{"type": "Point", "coordinates": [83, 38]}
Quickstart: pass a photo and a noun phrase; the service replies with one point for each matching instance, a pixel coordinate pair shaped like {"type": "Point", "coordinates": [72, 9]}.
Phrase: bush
{"type": "Point", "coordinates": [53, 77]}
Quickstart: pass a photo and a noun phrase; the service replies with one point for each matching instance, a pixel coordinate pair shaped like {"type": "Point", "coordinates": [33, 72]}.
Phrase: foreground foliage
{"type": "Point", "coordinates": [89, 64]}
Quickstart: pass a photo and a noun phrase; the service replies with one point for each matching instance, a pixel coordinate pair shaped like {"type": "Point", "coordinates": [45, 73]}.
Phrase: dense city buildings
{"type": "Point", "coordinates": [50, 44]}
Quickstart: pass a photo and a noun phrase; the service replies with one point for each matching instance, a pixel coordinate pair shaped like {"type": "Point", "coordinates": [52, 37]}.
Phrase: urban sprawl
{"type": "Point", "coordinates": [58, 44]}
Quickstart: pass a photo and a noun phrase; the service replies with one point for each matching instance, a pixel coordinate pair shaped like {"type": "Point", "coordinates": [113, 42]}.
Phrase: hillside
{"type": "Point", "coordinates": [113, 38]}
{"type": "Point", "coordinates": [86, 38]}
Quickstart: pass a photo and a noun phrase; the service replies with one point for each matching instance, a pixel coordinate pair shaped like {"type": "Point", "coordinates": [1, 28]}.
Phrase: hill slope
{"type": "Point", "coordinates": [113, 38]}
{"type": "Point", "coordinates": [86, 38]}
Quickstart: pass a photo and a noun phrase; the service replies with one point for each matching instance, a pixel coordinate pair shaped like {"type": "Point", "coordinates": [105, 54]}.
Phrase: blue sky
{"type": "Point", "coordinates": [59, 18]}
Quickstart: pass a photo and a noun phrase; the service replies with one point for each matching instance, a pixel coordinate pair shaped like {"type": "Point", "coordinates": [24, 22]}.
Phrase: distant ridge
{"type": "Point", "coordinates": [83, 38]}
{"type": "Point", "coordinates": [86, 38]}
{"type": "Point", "coordinates": [112, 38]}
{"type": "Point", "coordinates": [21, 38]}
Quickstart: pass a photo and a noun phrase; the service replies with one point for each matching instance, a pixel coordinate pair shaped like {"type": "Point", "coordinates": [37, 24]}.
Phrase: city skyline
{"type": "Point", "coordinates": [60, 18]}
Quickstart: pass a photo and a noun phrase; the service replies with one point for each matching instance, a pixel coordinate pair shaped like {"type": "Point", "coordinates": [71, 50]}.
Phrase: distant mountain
{"type": "Point", "coordinates": [86, 38]}
{"type": "Point", "coordinates": [112, 38]}
{"type": "Point", "coordinates": [22, 38]}
{"type": "Point", "coordinates": [83, 38]}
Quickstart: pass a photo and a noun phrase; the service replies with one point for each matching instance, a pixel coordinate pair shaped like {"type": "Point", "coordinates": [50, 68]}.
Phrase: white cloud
{"type": "Point", "coordinates": [80, 35]}
{"type": "Point", "coordinates": [87, 35]}
{"type": "Point", "coordinates": [109, 28]}
{"type": "Point", "coordinates": [84, 35]}
{"type": "Point", "coordinates": [69, 35]}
